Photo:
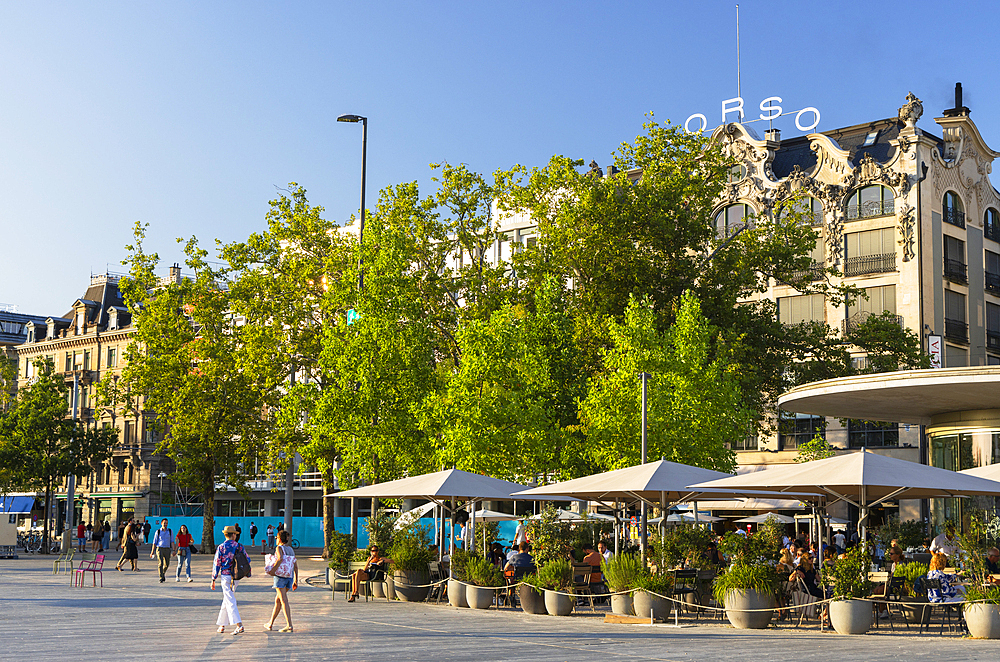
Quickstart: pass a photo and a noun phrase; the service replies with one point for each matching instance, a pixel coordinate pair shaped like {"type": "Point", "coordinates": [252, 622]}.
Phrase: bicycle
{"type": "Point", "coordinates": [294, 543]}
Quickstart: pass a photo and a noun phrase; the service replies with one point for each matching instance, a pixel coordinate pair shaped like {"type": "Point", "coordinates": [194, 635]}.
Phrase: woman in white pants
{"type": "Point", "coordinates": [225, 556]}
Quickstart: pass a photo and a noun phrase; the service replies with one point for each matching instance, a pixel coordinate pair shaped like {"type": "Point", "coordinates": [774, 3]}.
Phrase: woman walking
{"type": "Point", "coordinates": [225, 563]}
{"type": "Point", "coordinates": [183, 552]}
{"type": "Point", "coordinates": [286, 575]}
{"type": "Point", "coordinates": [131, 553]}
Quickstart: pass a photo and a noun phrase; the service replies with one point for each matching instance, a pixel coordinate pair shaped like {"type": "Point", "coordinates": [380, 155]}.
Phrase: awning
{"type": "Point", "coordinates": [102, 495]}
{"type": "Point", "coordinates": [16, 505]}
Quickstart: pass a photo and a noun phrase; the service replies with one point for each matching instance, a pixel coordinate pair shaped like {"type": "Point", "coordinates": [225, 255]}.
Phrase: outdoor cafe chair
{"type": "Point", "coordinates": [947, 610]}
{"type": "Point", "coordinates": [436, 575]}
{"type": "Point", "coordinates": [96, 567]}
{"type": "Point", "coordinates": [889, 600]}
{"type": "Point", "coordinates": [66, 558]}
{"type": "Point", "coordinates": [581, 582]}
{"type": "Point", "coordinates": [686, 585]}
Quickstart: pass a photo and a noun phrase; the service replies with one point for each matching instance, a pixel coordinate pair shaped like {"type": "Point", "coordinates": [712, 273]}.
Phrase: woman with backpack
{"type": "Point", "coordinates": [232, 563]}
{"type": "Point", "coordinates": [285, 570]}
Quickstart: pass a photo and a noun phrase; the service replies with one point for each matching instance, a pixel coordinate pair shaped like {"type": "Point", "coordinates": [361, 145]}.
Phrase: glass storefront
{"type": "Point", "coordinates": [957, 451]}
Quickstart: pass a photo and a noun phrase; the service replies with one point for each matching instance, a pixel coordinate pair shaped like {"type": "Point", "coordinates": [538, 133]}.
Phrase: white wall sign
{"type": "Point", "coordinates": [934, 346]}
{"type": "Point", "coordinates": [770, 110]}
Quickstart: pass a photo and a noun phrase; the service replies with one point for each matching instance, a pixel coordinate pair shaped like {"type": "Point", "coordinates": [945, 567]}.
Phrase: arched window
{"type": "Point", "coordinates": [732, 218]}
{"type": "Point", "coordinates": [954, 210]}
{"type": "Point", "coordinates": [811, 210]}
{"type": "Point", "coordinates": [870, 201]}
{"type": "Point", "coordinates": [737, 173]}
{"type": "Point", "coordinates": [991, 224]}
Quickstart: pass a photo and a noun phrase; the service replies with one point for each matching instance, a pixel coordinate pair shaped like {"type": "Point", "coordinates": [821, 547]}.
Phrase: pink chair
{"type": "Point", "coordinates": [96, 567]}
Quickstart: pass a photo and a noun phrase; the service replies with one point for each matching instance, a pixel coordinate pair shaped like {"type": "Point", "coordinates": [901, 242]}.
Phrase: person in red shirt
{"type": "Point", "coordinates": [81, 535]}
{"type": "Point", "coordinates": [183, 551]}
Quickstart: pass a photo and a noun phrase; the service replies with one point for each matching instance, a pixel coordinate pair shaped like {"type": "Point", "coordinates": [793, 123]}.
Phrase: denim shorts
{"type": "Point", "coordinates": [282, 582]}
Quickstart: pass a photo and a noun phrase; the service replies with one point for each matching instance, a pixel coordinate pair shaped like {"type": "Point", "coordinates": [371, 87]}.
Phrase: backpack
{"type": "Point", "coordinates": [240, 568]}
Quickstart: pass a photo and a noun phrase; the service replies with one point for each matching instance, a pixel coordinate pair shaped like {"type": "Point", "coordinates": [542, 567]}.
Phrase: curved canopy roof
{"type": "Point", "coordinates": [907, 396]}
{"type": "Point", "coordinates": [450, 483]}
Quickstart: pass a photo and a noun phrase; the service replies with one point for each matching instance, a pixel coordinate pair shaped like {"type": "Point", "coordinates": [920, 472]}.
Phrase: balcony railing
{"type": "Point", "coordinates": [268, 482]}
{"type": "Point", "coordinates": [993, 283]}
{"type": "Point", "coordinates": [993, 340]}
{"type": "Point", "coordinates": [956, 330]}
{"type": "Point", "coordinates": [869, 264]}
{"type": "Point", "coordinates": [851, 324]}
{"type": "Point", "coordinates": [954, 216]}
{"type": "Point", "coordinates": [814, 272]}
{"type": "Point", "coordinates": [956, 271]}
{"type": "Point", "coordinates": [871, 209]}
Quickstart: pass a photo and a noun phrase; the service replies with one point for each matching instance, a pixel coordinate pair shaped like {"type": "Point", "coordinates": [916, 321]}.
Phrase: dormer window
{"type": "Point", "coordinates": [870, 139]}
{"type": "Point", "coordinates": [112, 318]}
{"type": "Point", "coordinates": [30, 328]}
{"type": "Point", "coordinates": [81, 319]}
{"type": "Point", "coordinates": [52, 328]}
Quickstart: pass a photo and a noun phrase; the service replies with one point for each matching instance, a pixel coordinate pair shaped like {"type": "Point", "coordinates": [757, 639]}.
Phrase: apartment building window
{"type": "Point", "coordinates": [307, 508]}
{"type": "Point", "coordinates": [879, 300]}
{"type": "Point", "coordinates": [796, 429]}
{"type": "Point", "coordinates": [733, 218]}
{"type": "Point", "coordinates": [811, 210]}
{"type": "Point", "coordinates": [869, 202]}
{"type": "Point", "coordinates": [240, 508]}
{"type": "Point", "coordinates": [68, 363]}
{"type": "Point", "coordinates": [955, 357]}
{"type": "Point", "coordinates": [86, 359]}
{"type": "Point", "coordinates": [870, 252]}
{"type": "Point", "coordinates": [112, 357]}
{"type": "Point", "coordinates": [866, 434]}
{"type": "Point", "coordinates": [954, 260]}
{"type": "Point", "coordinates": [801, 308]}
{"type": "Point", "coordinates": [955, 325]}
{"type": "Point", "coordinates": [991, 224]}
{"type": "Point", "coordinates": [954, 210]}
{"type": "Point", "coordinates": [992, 272]}
{"type": "Point", "coordinates": [750, 443]}
{"type": "Point", "coordinates": [992, 327]}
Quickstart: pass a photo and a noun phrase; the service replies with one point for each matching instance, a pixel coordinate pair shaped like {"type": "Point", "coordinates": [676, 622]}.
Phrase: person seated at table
{"type": "Point", "coordinates": [807, 573]}
{"type": "Point", "coordinates": [374, 570]}
{"type": "Point", "coordinates": [602, 548]}
{"type": "Point", "coordinates": [712, 555]}
{"type": "Point", "coordinates": [829, 557]}
{"type": "Point", "coordinates": [522, 559]}
{"type": "Point", "coordinates": [896, 558]}
{"type": "Point", "coordinates": [496, 555]}
{"type": "Point", "coordinates": [592, 558]}
{"type": "Point", "coordinates": [993, 561]}
{"type": "Point", "coordinates": [786, 564]}
{"type": "Point", "coordinates": [951, 590]}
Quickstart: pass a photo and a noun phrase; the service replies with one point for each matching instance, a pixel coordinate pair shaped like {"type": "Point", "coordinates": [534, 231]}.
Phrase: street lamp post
{"type": "Point", "coordinates": [364, 168]}
{"type": "Point", "coordinates": [361, 259]}
{"type": "Point", "coordinates": [161, 476]}
{"type": "Point", "coordinates": [644, 376]}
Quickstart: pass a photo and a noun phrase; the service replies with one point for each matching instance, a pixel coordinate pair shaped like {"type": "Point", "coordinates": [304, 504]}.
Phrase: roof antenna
{"type": "Point", "coordinates": [739, 92]}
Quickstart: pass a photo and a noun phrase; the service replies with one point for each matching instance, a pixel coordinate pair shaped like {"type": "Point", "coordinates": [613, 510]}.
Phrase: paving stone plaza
{"type": "Point", "coordinates": [135, 618]}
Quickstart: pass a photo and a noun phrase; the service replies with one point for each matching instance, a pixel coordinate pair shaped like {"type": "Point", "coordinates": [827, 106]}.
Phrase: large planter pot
{"type": "Point", "coordinates": [621, 604]}
{"type": "Point", "coordinates": [983, 620]}
{"type": "Point", "coordinates": [456, 594]}
{"type": "Point", "coordinates": [916, 615]}
{"type": "Point", "coordinates": [646, 604]}
{"type": "Point", "coordinates": [851, 616]}
{"type": "Point", "coordinates": [532, 602]}
{"type": "Point", "coordinates": [411, 585]}
{"type": "Point", "coordinates": [479, 597]}
{"type": "Point", "coordinates": [739, 605]}
{"type": "Point", "coordinates": [558, 604]}
{"type": "Point", "coordinates": [384, 590]}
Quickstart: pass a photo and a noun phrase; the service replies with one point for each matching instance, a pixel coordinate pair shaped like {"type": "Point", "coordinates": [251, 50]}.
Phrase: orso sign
{"type": "Point", "coordinates": [769, 106]}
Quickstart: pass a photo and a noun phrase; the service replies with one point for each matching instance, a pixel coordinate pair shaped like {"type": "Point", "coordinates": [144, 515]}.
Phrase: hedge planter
{"type": "Point", "coordinates": [644, 604]}
{"type": "Point", "coordinates": [738, 606]}
{"type": "Point", "coordinates": [479, 597]}
{"type": "Point", "coordinates": [983, 620]}
{"type": "Point", "coordinates": [411, 585]}
{"type": "Point", "coordinates": [456, 594]}
{"type": "Point", "coordinates": [915, 614]}
{"type": "Point", "coordinates": [851, 616]}
{"type": "Point", "coordinates": [532, 602]}
{"type": "Point", "coordinates": [621, 604]}
{"type": "Point", "coordinates": [558, 604]}
{"type": "Point", "coordinates": [384, 589]}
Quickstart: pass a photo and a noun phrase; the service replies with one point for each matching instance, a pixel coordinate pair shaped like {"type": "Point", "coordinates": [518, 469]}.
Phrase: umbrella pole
{"type": "Point", "coordinates": [451, 542]}
{"type": "Point", "coordinates": [618, 531]}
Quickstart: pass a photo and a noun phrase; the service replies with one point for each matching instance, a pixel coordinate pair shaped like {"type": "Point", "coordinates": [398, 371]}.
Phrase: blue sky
{"type": "Point", "coordinates": [187, 115]}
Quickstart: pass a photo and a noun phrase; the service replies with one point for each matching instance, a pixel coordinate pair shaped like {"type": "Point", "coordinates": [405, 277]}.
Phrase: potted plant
{"type": "Point", "coordinates": [849, 613]}
{"type": "Point", "coordinates": [340, 550]}
{"type": "Point", "coordinates": [623, 573]}
{"type": "Point", "coordinates": [982, 608]}
{"type": "Point", "coordinates": [556, 577]}
{"type": "Point", "coordinates": [531, 595]}
{"type": "Point", "coordinates": [456, 582]}
{"type": "Point", "coordinates": [651, 598]}
{"type": "Point", "coordinates": [410, 555]}
{"type": "Point", "coordinates": [483, 580]}
{"type": "Point", "coordinates": [913, 573]}
{"type": "Point", "coordinates": [747, 588]}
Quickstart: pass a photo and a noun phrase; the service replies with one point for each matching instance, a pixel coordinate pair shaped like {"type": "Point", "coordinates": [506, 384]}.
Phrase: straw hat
{"type": "Point", "coordinates": [229, 529]}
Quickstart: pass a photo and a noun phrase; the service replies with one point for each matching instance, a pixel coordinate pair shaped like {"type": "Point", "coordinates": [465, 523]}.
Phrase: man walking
{"type": "Point", "coordinates": [163, 542]}
{"type": "Point", "coordinates": [81, 533]}
{"type": "Point", "coordinates": [253, 533]}
{"type": "Point", "coordinates": [239, 531]}
{"type": "Point", "coordinates": [145, 529]}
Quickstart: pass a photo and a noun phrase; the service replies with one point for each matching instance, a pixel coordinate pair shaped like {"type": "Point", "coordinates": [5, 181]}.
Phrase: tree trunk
{"type": "Point", "coordinates": [329, 512]}
{"type": "Point", "coordinates": [208, 516]}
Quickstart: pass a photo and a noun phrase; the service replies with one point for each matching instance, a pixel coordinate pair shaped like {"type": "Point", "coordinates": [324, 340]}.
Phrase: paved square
{"type": "Point", "coordinates": [135, 618]}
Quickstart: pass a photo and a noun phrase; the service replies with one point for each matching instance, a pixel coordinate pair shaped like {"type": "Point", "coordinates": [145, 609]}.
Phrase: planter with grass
{"type": "Point", "coordinates": [556, 577]}
{"type": "Point", "coordinates": [410, 558]}
{"type": "Point", "coordinates": [748, 593]}
{"type": "Point", "coordinates": [849, 613]}
{"type": "Point", "coordinates": [456, 586]}
{"type": "Point", "coordinates": [982, 618]}
{"type": "Point", "coordinates": [483, 579]}
{"type": "Point", "coordinates": [982, 611]}
{"type": "Point", "coordinates": [623, 573]}
{"type": "Point", "coordinates": [650, 599]}
{"type": "Point", "coordinates": [531, 595]}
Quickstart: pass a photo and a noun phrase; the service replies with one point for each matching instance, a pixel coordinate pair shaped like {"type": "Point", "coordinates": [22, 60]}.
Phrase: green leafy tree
{"type": "Point", "coordinates": [695, 404]}
{"type": "Point", "coordinates": [187, 361]}
{"type": "Point", "coordinates": [815, 449]}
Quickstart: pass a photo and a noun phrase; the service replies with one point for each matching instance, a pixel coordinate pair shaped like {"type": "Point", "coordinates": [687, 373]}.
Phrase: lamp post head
{"type": "Point", "coordinates": [351, 118]}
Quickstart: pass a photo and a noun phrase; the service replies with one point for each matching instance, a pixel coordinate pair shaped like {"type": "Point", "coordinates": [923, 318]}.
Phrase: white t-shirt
{"type": "Point", "coordinates": [840, 540]}
{"type": "Point", "coordinates": [520, 534]}
{"type": "Point", "coordinates": [943, 545]}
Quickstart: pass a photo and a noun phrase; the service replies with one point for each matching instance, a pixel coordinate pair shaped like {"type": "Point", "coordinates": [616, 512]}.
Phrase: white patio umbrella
{"type": "Point", "coordinates": [685, 518]}
{"type": "Point", "coordinates": [862, 479]}
{"type": "Point", "coordinates": [485, 515]}
{"type": "Point", "coordinates": [757, 519]}
{"type": "Point", "coordinates": [989, 472]}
